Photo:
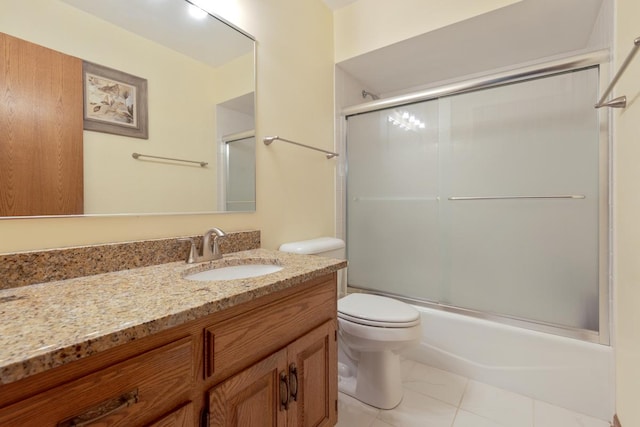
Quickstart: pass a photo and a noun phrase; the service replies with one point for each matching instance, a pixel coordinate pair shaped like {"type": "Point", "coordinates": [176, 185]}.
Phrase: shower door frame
{"type": "Point", "coordinates": [601, 59]}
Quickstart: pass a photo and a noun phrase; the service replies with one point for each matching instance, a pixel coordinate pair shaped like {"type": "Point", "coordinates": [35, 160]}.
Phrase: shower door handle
{"type": "Point", "coordinates": [559, 196]}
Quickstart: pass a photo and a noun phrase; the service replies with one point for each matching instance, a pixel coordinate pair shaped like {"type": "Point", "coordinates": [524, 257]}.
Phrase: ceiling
{"type": "Point", "coordinates": [524, 32]}
{"type": "Point", "coordinates": [192, 37]}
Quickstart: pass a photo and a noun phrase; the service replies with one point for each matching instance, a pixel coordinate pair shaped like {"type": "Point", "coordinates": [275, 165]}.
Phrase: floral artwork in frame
{"type": "Point", "coordinates": [114, 102]}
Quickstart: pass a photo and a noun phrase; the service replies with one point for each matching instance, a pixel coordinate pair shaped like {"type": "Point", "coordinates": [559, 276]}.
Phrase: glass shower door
{"type": "Point", "coordinates": [392, 190]}
{"type": "Point", "coordinates": [531, 252]}
{"type": "Point", "coordinates": [490, 203]}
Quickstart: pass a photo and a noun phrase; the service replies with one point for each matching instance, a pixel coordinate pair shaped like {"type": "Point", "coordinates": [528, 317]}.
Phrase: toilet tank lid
{"type": "Point", "coordinates": [313, 246]}
{"type": "Point", "coordinates": [377, 308]}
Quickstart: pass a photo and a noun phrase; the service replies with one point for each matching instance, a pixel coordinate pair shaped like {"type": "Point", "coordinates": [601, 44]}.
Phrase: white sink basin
{"type": "Point", "coordinates": [234, 272]}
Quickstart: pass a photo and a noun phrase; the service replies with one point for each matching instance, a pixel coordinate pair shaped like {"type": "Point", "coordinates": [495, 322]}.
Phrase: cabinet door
{"type": "Point", "coordinates": [253, 396]}
{"type": "Point", "coordinates": [41, 149]}
{"type": "Point", "coordinates": [313, 378]}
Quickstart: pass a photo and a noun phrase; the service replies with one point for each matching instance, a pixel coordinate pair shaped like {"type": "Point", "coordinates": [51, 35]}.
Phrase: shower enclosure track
{"type": "Point", "coordinates": [538, 70]}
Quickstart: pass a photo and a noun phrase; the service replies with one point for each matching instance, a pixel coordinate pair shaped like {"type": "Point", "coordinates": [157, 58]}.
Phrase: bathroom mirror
{"type": "Point", "coordinates": [200, 77]}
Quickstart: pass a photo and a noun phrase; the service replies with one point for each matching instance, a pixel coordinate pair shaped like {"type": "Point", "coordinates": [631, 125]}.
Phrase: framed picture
{"type": "Point", "coordinates": [114, 102]}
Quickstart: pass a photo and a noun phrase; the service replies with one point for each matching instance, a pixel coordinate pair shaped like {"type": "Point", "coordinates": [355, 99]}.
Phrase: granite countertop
{"type": "Point", "coordinates": [46, 325]}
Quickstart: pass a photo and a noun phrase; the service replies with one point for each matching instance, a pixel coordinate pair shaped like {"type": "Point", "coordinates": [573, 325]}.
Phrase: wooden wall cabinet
{"type": "Point", "coordinates": [271, 361]}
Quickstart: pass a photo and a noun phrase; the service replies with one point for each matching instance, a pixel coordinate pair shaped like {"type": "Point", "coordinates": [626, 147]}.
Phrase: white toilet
{"type": "Point", "coordinates": [372, 330]}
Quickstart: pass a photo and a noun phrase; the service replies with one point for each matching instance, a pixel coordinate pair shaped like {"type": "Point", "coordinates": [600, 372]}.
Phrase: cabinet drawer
{"type": "Point", "coordinates": [130, 393]}
{"type": "Point", "coordinates": [238, 342]}
{"type": "Point", "coordinates": [181, 417]}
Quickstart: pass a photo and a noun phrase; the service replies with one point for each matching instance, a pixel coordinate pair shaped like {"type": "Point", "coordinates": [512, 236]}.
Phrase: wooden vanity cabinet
{"type": "Point", "coordinates": [279, 361]}
{"type": "Point", "coordinates": [293, 387]}
{"type": "Point", "coordinates": [271, 361]}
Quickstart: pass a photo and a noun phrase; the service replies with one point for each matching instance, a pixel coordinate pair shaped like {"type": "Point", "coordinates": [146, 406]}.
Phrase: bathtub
{"type": "Point", "coordinates": [566, 372]}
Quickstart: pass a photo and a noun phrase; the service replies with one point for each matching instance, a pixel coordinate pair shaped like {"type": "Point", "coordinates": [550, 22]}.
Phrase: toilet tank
{"type": "Point", "coordinates": [329, 247]}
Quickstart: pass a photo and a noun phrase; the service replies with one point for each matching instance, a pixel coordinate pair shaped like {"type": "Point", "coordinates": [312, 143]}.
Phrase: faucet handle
{"type": "Point", "coordinates": [210, 242]}
{"type": "Point", "coordinates": [216, 246]}
{"type": "Point", "coordinates": [193, 251]}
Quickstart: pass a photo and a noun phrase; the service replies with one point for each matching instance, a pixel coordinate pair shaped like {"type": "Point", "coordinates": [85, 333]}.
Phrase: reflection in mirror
{"type": "Point", "coordinates": [237, 155]}
{"type": "Point", "coordinates": [239, 162]}
{"type": "Point", "coordinates": [200, 75]}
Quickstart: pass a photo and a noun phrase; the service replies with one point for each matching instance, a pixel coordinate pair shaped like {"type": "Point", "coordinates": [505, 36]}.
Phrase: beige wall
{"type": "Point", "coordinates": [627, 219]}
{"type": "Point", "coordinates": [367, 25]}
{"type": "Point", "coordinates": [235, 78]}
{"type": "Point", "coordinates": [294, 100]}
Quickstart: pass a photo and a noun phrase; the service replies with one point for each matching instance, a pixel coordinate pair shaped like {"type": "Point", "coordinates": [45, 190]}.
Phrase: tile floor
{"type": "Point", "coordinates": [435, 398]}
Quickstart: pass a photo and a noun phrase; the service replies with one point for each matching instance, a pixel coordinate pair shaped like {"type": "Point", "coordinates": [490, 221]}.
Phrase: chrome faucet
{"type": "Point", "coordinates": [210, 249]}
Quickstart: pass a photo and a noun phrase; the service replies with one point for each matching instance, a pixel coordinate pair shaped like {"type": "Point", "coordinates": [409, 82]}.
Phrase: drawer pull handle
{"type": "Point", "coordinates": [101, 410]}
{"type": "Point", "coordinates": [293, 381]}
{"type": "Point", "coordinates": [284, 392]}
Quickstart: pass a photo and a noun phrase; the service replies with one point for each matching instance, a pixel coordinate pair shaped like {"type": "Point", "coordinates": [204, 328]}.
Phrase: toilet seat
{"type": "Point", "coordinates": [377, 311]}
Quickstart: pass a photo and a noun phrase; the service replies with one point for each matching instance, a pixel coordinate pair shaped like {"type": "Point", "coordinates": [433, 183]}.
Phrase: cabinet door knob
{"type": "Point", "coordinates": [293, 381]}
{"type": "Point", "coordinates": [284, 391]}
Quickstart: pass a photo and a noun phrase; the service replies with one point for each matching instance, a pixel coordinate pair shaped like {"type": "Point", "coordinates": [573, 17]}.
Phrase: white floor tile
{"type": "Point", "coordinates": [418, 410]}
{"type": "Point", "coordinates": [498, 405]}
{"type": "Point", "coordinates": [467, 419]}
{"type": "Point", "coordinates": [353, 413]}
{"type": "Point", "coordinates": [432, 396]}
{"type": "Point", "coordinates": [547, 415]}
{"type": "Point", "coordinates": [406, 366]}
{"type": "Point", "coordinates": [380, 423]}
{"type": "Point", "coordinates": [436, 383]}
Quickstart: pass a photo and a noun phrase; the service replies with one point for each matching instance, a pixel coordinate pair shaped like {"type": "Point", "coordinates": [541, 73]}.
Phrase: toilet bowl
{"type": "Point", "coordinates": [372, 330]}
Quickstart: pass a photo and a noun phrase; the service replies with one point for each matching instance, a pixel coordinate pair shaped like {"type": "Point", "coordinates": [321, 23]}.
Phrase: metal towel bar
{"type": "Point", "coordinates": [269, 139]}
{"type": "Point", "coordinates": [621, 101]}
{"type": "Point", "coordinates": [561, 196]}
{"type": "Point", "coordinates": [138, 155]}
{"type": "Point", "coordinates": [395, 199]}
{"type": "Point", "coordinates": [462, 198]}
